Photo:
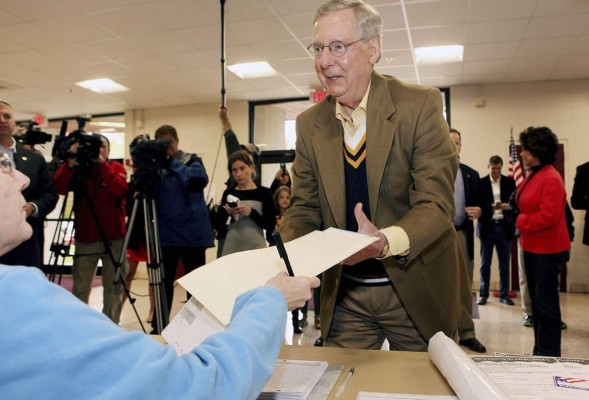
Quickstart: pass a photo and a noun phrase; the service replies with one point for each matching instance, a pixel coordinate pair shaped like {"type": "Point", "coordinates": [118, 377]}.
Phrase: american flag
{"type": "Point", "coordinates": [515, 169]}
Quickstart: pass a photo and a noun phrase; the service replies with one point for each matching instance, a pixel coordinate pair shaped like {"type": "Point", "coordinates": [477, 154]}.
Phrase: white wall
{"type": "Point", "coordinates": [563, 106]}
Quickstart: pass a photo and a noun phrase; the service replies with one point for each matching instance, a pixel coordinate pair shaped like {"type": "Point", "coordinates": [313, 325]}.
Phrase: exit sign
{"type": "Point", "coordinates": [41, 120]}
{"type": "Point", "coordinates": [317, 96]}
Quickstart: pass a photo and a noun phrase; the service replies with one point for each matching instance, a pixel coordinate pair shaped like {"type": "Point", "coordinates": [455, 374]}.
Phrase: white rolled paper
{"type": "Point", "coordinates": [464, 376]}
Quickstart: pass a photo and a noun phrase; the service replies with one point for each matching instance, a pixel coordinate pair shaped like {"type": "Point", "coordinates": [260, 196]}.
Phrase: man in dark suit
{"type": "Point", "coordinates": [467, 201]}
{"type": "Point", "coordinates": [40, 195]}
{"type": "Point", "coordinates": [496, 228]}
{"type": "Point", "coordinates": [580, 197]}
{"type": "Point", "coordinates": [375, 157]}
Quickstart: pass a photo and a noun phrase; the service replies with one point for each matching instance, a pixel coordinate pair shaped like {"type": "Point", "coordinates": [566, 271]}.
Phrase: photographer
{"type": "Point", "coordinates": [40, 195]}
{"type": "Point", "coordinates": [183, 218]}
{"type": "Point", "coordinates": [99, 187]}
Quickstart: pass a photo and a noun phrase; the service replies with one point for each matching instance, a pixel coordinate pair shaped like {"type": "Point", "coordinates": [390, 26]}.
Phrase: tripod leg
{"type": "Point", "coordinates": [155, 267]}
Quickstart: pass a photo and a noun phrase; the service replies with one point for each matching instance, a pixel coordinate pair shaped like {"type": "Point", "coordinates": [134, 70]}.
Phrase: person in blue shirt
{"type": "Point", "coordinates": [61, 348]}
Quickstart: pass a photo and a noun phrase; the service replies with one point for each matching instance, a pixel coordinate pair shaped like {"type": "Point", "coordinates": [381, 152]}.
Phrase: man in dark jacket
{"type": "Point", "coordinates": [580, 197]}
{"type": "Point", "coordinates": [467, 202]}
{"type": "Point", "coordinates": [496, 228]}
{"type": "Point", "coordinates": [40, 195]}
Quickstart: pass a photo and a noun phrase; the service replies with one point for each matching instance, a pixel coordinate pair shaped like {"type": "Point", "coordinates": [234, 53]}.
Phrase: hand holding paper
{"type": "Point", "coordinates": [217, 284]}
{"type": "Point", "coordinates": [367, 228]}
{"type": "Point", "coordinates": [296, 290]}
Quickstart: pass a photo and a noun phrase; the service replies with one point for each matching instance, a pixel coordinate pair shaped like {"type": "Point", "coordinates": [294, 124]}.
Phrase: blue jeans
{"type": "Point", "coordinates": [496, 238]}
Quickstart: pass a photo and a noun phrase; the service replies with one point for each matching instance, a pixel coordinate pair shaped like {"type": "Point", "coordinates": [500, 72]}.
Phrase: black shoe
{"type": "Point", "coordinates": [563, 325]}
{"type": "Point", "coordinates": [506, 300]}
{"type": "Point", "coordinates": [297, 330]}
{"type": "Point", "coordinates": [319, 342]}
{"type": "Point", "coordinates": [482, 301]}
{"type": "Point", "coordinates": [528, 321]}
{"type": "Point", "coordinates": [473, 344]}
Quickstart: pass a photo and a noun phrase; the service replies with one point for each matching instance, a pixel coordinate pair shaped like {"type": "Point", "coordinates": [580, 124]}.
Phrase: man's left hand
{"type": "Point", "coordinates": [367, 228]}
{"type": "Point", "coordinates": [473, 212]}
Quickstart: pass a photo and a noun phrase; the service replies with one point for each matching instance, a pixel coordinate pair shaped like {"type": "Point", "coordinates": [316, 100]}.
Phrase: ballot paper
{"type": "Point", "coordinates": [293, 379]}
{"type": "Point", "coordinates": [190, 327]}
{"type": "Point", "coordinates": [538, 378]}
{"type": "Point", "coordinates": [509, 377]}
{"type": "Point", "coordinates": [217, 284]}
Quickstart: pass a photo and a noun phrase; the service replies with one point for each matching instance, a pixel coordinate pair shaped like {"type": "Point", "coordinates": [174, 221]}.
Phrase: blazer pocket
{"type": "Point", "coordinates": [436, 248]}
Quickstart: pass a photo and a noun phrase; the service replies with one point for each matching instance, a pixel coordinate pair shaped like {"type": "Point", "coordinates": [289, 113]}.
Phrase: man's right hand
{"type": "Point", "coordinates": [296, 290]}
{"type": "Point", "coordinates": [224, 118]}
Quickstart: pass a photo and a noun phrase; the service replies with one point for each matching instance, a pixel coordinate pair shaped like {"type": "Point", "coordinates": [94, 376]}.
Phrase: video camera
{"type": "Point", "coordinates": [88, 148]}
{"type": "Point", "coordinates": [33, 135]}
{"type": "Point", "coordinates": [149, 154]}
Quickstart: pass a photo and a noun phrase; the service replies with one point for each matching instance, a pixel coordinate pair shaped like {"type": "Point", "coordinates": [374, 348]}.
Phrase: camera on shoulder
{"type": "Point", "coordinates": [33, 135]}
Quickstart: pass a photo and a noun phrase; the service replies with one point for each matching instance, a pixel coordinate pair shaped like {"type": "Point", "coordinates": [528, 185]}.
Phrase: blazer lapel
{"type": "Point", "coordinates": [380, 132]}
{"type": "Point", "coordinates": [21, 161]}
{"type": "Point", "coordinates": [328, 148]}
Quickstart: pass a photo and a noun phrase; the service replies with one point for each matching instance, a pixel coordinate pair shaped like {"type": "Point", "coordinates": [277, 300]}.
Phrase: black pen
{"type": "Point", "coordinates": [282, 252]}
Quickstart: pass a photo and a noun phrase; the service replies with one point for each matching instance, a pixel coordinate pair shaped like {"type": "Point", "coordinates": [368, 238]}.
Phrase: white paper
{"type": "Point", "coordinates": [217, 284]}
{"type": "Point", "coordinates": [190, 327]}
{"type": "Point", "coordinates": [466, 379]}
{"type": "Point", "coordinates": [538, 378]}
{"type": "Point", "coordinates": [293, 379]}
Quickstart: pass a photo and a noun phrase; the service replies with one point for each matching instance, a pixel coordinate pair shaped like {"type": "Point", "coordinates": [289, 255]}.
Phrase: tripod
{"type": "Point", "coordinates": [60, 244]}
{"type": "Point", "coordinates": [155, 268]}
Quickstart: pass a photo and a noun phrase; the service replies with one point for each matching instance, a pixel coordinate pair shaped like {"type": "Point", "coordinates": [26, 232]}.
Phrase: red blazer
{"type": "Point", "coordinates": [541, 222]}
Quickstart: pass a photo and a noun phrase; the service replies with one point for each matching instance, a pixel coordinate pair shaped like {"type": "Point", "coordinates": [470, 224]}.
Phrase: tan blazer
{"type": "Point", "coordinates": [411, 166]}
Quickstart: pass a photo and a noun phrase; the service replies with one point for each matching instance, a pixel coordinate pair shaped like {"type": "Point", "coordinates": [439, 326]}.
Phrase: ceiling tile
{"type": "Point", "coordinates": [497, 31]}
{"type": "Point", "coordinates": [259, 30]}
{"type": "Point", "coordinates": [486, 67]}
{"type": "Point", "coordinates": [485, 10]}
{"type": "Point", "coordinates": [439, 36]}
{"type": "Point", "coordinates": [436, 13]}
{"type": "Point", "coordinates": [490, 51]}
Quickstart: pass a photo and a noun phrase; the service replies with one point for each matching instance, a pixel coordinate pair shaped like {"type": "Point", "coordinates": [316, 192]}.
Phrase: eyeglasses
{"type": "Point", "coordinates": [6, 164]}
{"type": "Point", "coordinates": [337, 48]}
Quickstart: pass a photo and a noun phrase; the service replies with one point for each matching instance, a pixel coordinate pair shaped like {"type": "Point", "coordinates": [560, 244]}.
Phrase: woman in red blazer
{"type": "Point", "coordinates": [543, 232]}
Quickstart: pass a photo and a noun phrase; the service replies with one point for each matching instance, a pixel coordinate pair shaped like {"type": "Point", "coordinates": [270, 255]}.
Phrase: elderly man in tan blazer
{"type": "Point", "coordinates": [376, 157]}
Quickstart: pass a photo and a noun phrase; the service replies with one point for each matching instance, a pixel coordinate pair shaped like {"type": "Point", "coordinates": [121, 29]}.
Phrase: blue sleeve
{"type": "Point", "coordinates": [54, 346]}
{"type": "Point", "coordinates": [192, 174]}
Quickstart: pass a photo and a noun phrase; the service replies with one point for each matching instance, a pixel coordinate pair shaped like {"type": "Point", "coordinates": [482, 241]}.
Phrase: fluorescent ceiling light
{"type": "Point", "coordinates": [252, 70]}
{"type": "Point", "coordinates": [438, 54]}
{"type": "Point", "coordinates": [103, 85]}
{"type": "Point", "coordinates": [108, 124]}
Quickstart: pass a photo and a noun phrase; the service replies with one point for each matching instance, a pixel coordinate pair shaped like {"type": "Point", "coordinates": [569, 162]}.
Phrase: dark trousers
{"type": "Point", "coordinates": [192, 258]}
{"type": "Point", "coordinates": [542, 275]}
{"type": "Point", "coordinates": [497, 239]}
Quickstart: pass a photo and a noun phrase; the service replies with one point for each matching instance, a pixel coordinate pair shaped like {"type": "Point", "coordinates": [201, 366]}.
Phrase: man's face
{"type": "Point", "coordinates": [495, 170]}
{"type": "Point", "coordinates": [172, 150]}
{"type": "Point", "coordinates": [456, 139]}
{"type": "Point", "coordinates": [346, 77]}
{"type": "Point", "coordinates": [15, 228]}
{"type": "Point", "coordinates": [7, 123]}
